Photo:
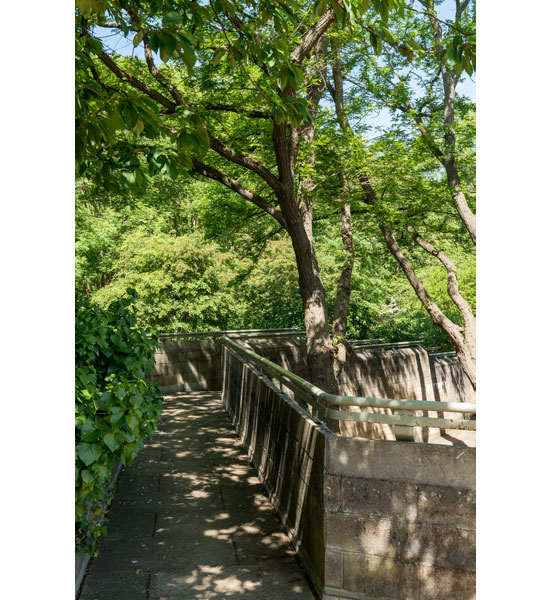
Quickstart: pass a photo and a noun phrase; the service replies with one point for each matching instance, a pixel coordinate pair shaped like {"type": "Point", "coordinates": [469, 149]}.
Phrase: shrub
{"type": "Point", "coordinates": [116, 408]}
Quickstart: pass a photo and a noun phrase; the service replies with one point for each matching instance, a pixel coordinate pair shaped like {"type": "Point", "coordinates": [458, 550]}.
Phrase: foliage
{"type": "Point", "coordinates": [220, 81]}
{"type": "Point", "coordinates": [116, 408]}
{"type": "Point", "coordinates": [247, 279]}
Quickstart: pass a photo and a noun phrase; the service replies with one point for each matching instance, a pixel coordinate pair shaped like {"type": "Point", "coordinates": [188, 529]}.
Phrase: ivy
{"type": "Point", "coordinates": [116, 408]}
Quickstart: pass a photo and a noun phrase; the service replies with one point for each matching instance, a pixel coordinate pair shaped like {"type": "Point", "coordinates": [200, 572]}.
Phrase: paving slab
{"type": "Point", "coordinates": [190, 518]}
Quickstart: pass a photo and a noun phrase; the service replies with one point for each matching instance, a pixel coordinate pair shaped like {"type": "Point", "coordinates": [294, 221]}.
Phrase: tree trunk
{"type": "Point", "coordinates": [343, 294]}
{"type": "Point", "coordinates": [439, 319]}
{"type": "Point", "coordinates": [450, 79]}
{"type": "Point", "coordinates": [297, 211]}
{"type": "Point", "coordinates": [320, 354]}
{"type": "Point", "coordinates": [454, 293]}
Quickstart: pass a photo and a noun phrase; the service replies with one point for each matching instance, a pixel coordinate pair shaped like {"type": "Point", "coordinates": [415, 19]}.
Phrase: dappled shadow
{"type": "Point", "coordinates": [287, 448]}
{"type": "Point", "coordinates": [404, 528]}
{"type": "Point", "coordinates": [190, 518]}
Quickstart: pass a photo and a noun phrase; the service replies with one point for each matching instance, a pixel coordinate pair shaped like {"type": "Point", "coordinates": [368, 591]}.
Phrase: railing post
{"type": "Point", "coordinates": [403, 433]}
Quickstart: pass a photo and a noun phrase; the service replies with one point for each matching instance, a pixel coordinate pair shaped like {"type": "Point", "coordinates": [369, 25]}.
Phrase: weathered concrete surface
{"type": "Point", "coordinates": [288, 448]}
{"type": "Point", "coordinates": [371, 519]}
{"type": "Point", "coordinates": [407, 373]}
{"type": "Point", "coordinates": [187, 365]}
{"type": "Point", "coordinates": [190, 519]}
{"type": "Point", "coordinates": [400, 520]}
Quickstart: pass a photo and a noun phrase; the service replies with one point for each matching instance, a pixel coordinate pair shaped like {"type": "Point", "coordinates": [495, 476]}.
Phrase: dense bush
{"type": "Point", "coordinates": [116, 408]}
{"type": "Point", "coordinates": [194, 277]}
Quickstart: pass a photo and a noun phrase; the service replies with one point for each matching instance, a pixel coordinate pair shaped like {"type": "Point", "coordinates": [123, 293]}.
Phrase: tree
{"type": "Point", "coordinates": [391, 80]}
{"type": "Point", "coordinates": [279, 74]}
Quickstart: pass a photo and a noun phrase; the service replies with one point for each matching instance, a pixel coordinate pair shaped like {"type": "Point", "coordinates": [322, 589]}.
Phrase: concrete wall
{"type": "Point", "coordinates": [287, 448]}
{"type": "Point", "coordinates": [370, 519]}
{"type": "Point", "coordinates": [400, 520]}
{"type": "Point", "coordinates": [187, 365]}
{"type": "Point", "coordinates": [452, 383]}
{"type": "Point", "coordinates": [196, 365]}
{"type": "Point", "coordinates": [407, 373]}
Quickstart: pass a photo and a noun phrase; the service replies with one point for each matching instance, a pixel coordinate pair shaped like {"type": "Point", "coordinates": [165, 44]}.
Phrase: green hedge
{"type": "Point", "coordinates": [116, 408]}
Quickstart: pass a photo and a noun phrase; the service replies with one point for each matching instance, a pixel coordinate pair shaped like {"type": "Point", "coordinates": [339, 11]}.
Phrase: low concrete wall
{"type": "Point", "coordinates": [451, 382]}
{"type": "Point", "coordinates": [400, 520]}
{"type": "Point", "coordinates": [187, 366]}
{"type": "Point", "coordinates": [408, 373]}
{"type": "Point", "coordinates": [370, 519]}
{"type": "Point", "coordinates": [405, 373]}
{"type": "Point", "coordinates": [287, 447]}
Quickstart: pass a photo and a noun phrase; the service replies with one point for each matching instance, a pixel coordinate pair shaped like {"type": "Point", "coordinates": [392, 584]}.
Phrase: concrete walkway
{"type": "Point", "coordinates": [190, 518]}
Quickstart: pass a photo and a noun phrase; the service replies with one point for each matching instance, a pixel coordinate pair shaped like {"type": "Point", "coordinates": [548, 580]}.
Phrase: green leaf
{"type": "Point", "coordinates": [172, 18]}
{"type": "Point", "coordinates": [138, 37]}
{"type": "Point", "coordinates": [116, 417]}
{"type": "Point", "coordinates": [89, 433]}
{"type": "Point", "coordinates": [414, 45]}
{"type": "Point", "coordinates": [87, 476]}
{"type": "Point", "coordinates": [154, 42]}
{"type": "Point", "coordinates": [165, 55]}
{"type": "Point", "coordinates": [217, 57]}
{"type": "Point", "coordinates": [129, 116]}
{"type": "Point", "coordinates": [132, 421]}
{"type": "Point", "coordinates": [129, 452]}
{"type": "Point", "coordinates": [88, 453]}
{"type": "Point", "coordinates": [188, 55]}
{"type": "Point", "coordinates": [85, 7]}
{"type": "Point", "coordinates": [111, 441]}
{"type": "Point", "coordinates": [202, 136]}
{"type": "Point", "coordinates": [168, 43]}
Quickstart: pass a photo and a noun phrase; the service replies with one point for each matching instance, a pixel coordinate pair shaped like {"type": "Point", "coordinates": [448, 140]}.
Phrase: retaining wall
{"type": "Point", "coordinates": [287, 447]}
{"type": "Point", "coordinates": [405, 373]}
{"type": "Point", "coordinates": [408, 373]}
{"type": "Point", "coordinates": [370, 519]}
{"type": "Point", "coordinates": [187, 366]}
{"type": "Point", "coordinates": [400, 520]}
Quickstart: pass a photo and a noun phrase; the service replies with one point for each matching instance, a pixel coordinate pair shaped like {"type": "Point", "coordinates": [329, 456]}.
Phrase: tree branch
{"type": "Point", "coordinates": [247, 112]}
{"type": "Point", "coordinates": [170, 87]}
{"type": "Point", "coordinates": [312, 36]}
{"type": "Point", "coordinates": [244, 161]}
{"type": "Point", "coordinates": [454, 331]}
{"type": "Point", "coordinates": [452, 287]}
{"type": "Point", "coordinates": [136, 83]}
{"type": "Point", "coordinates": [234, 185]}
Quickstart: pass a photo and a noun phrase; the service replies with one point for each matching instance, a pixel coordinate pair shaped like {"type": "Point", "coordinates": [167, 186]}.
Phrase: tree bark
{"type": "Point", "coordinates": [343, 293]}
{"type": "Point", "coordinates": [439, 319]}
{"type": "Point", "coordinates": [454, 293]}
{"type": "Point", "coordinates": [297, 211]}
{"type": "Point", "coordinates": [463, 339]}
{"type": "Point", "coordinates": [450, 79]}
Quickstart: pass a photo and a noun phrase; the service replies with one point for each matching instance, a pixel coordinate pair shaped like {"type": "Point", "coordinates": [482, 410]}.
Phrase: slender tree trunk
{"type": "Point", "coordinates": [439, 319]}
{"type": "Point", "coordinates": [450, 79]}
{"type": "Point", "coordinates": [454, 293]}
{"type": "Point", "coordinates": [463, 339]}
{"type": "Point", "coordinates": [343, 293]}
{"type": "Point", "coordinates": [320, 354]}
